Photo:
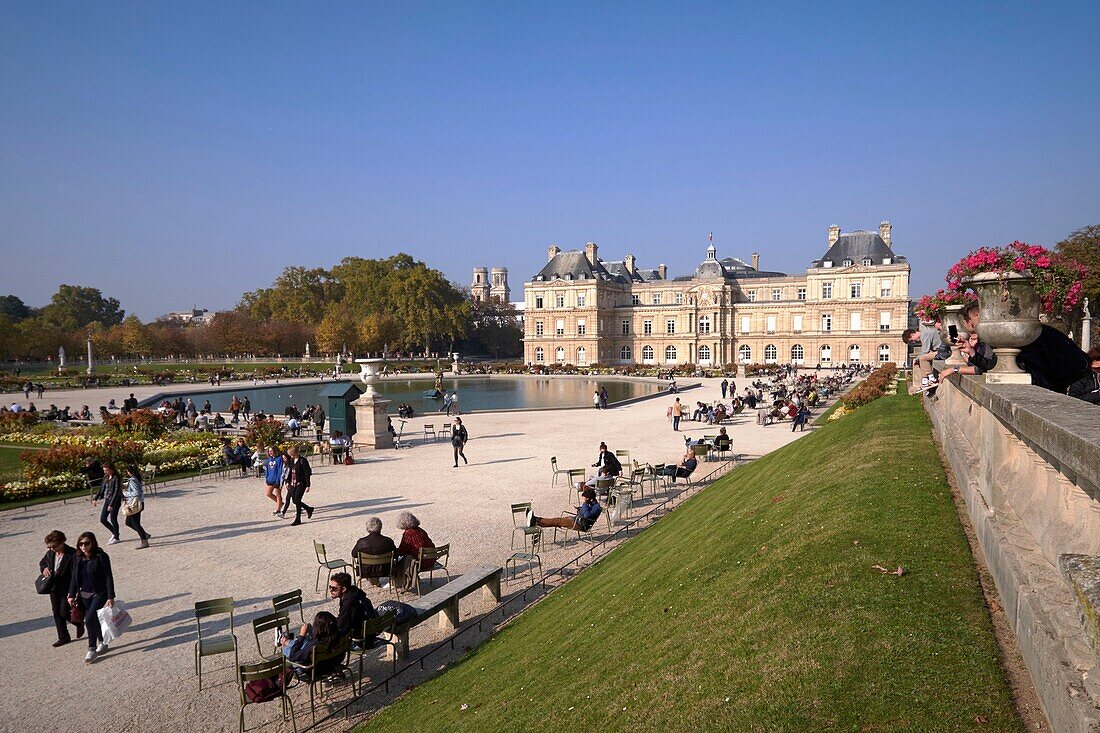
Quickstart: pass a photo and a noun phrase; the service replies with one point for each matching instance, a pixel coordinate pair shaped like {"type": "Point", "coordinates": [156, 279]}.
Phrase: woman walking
{"type": "Point", "coordinates": [273, 477]}
{"type": "Point", "coordinates": [57, 567]}
{"type": "Point", "coordinates": [92, 587]}
{"type": "Point", "coordinates": [459, 436]}
{"type": "Point", "coordinates": [110, 493]}
{"type": "Point", "coordinates": [134, 503]}
{"type": "Point", "coordinates": [298, 479]}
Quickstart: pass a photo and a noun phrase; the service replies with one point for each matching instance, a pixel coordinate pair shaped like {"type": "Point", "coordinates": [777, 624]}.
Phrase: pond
{"type": "Point", "coordinates": [475, 393]}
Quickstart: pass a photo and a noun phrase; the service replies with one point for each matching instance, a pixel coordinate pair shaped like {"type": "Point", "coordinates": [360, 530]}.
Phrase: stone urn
{"type": "Point", "coordinates": [368, 372]}
{"type": "Point", "coordinates": [952, 316]}
{"type": "Point", "coordinates": [1009, 320]}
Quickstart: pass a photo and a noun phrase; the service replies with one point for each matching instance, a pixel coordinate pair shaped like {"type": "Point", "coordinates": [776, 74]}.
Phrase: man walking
{"type": "Point", "coordinates": [725, 386]}
{"type": "Point", "coordinates": [298, 479]}
{"type": "Point", "coordinates": [459, 436]}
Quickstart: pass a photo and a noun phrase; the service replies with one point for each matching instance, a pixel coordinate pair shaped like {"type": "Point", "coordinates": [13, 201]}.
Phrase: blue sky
{"type": "Point", "coordinates": [179, 154]}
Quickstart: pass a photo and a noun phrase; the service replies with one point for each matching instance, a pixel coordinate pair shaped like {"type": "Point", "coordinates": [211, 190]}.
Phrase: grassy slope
{"type": "Point", "coordinates": [753, 608]}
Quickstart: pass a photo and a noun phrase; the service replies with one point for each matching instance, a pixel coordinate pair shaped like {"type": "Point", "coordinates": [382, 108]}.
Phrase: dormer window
{"type": "Point", "coordinates": [846, 263]}
{"type": "Point", "coordinates": [866, 262]}
{"type": "Point", "coordinates": [887, 260]}
{"type": "Point", "coordinates": [827, 263]}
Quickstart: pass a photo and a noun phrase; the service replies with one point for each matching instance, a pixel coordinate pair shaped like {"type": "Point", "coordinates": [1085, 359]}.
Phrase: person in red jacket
{"type": "Point", "coordinates": [412, 540]}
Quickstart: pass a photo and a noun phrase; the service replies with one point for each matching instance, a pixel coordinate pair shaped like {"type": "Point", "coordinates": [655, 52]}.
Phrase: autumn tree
{"type": "Point", "coordinates": [1083, 245]}
{"type": "Point", "coordinates": [299, 295]}
{"type": "Point", "coordinates": [234, 333]}
{"type": "Point", "coordinates": [337, 330]}
{"type": "Point", "coordinates": [73, 307]}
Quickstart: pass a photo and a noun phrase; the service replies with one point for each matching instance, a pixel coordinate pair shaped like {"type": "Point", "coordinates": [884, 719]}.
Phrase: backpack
{"type": "Point", "coordinates": [266, 689]}
{"type": "Point", "coordinates": [405, 612]}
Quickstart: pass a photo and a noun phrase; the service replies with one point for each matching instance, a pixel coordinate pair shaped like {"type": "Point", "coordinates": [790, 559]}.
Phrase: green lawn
{"type": "Point", "coordinates": [754, 607]}
{"type": "Point", "coordinates": [11, 468]}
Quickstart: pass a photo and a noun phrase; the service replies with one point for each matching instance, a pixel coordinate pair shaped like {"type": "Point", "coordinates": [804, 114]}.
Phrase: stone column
{"type": "Point", "coordinates": [372, 430]}
{"type": "Point", "coordinates": [1086, 327]}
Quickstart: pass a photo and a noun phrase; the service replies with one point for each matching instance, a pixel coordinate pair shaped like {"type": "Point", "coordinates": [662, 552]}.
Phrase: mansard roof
{"type": "Point", "coordinates": [857, 246]}
{"type": "Point", "coordinates": [573, 265]}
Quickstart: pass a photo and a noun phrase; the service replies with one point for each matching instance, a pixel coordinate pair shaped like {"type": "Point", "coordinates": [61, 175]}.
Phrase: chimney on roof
{"type": "Point", "coordinates": [628, 262]}
{"type": "Point", "coordinates": [590, 252]}
{"type": "Point", "coordinates": [884, 232]}
{"type": "Point", "coordinates": [834, 234]}
{"type": "Point", "coordinates": [756, 261]}
{"type": "Point", "coordinates": [552, 252]}
{"type": "Point", "coordinates": [662, 271]}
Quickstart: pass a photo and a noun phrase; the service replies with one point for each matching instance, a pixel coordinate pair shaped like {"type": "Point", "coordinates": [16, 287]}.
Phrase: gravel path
{"type": "Point", "coordinates": [213, 539]}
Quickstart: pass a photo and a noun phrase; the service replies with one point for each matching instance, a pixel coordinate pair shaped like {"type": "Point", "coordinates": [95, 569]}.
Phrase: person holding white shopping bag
{"type": "Point", "coordinates": [92, 587]}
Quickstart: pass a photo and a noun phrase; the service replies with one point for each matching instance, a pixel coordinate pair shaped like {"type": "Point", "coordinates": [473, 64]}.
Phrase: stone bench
{"type": "Point", "coordinates": [444, 601]}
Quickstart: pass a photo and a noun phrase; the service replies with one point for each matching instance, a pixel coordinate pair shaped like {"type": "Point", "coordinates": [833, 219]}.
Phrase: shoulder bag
{"type": "Point", "coordinates": [132, 506]}
{"type": "Point", "coordinates": [43, 585]}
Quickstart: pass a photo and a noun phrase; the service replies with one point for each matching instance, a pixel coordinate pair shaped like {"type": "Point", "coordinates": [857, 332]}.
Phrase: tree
{"type": "Point", "coordinates": [299, 295]}
{"type": "Point", "coordinates": [11, 342]}
{"type": "Point", "coordinates": [378, 331]}
{"type": "Point", "coordinates": [495, 329]}
{"type": "Point", "coordinates": [73, 307]}
{"type": "Point", "coordinates": [234, 333]}
{"type": "Point", "coordinates": [135, 338]}
{"type": "Point", "coordinates": [1083, 245]}
{"type": "Point", "coordinates": [337, 329]}
{"type": "Point", "coordinates": [14, 308]}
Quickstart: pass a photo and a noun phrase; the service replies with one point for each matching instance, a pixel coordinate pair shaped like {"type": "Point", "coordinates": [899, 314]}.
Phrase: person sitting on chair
{"type": "Point", "coordinates": [323, 633]}
{"type": "Point", "coordinates": [373, 543]}
{"type": "Point", "coordinates": [722, 441]}
{"type": "Point", "coordinates": [586, 516]}
{"type": "Point", "coordinates": [338, 444]}
{"type": "Point", "coordinates": [607, 462]}
{"type": "Point", "coordinates": [685, 468]}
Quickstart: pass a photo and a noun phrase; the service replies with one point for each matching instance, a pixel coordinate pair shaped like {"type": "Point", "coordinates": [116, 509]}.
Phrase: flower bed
{"type": "Point", "coordinates": [871, 388]}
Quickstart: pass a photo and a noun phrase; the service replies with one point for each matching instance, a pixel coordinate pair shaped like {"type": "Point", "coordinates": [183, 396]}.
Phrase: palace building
{"type": "Point", "coordinates": [850, 306]}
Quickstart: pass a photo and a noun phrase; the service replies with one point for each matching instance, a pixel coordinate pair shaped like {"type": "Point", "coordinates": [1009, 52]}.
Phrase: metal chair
{"type": "Point", "coordinates": [428, 561]}
{"type": "Point", "coordinates": [323, 665]}
{"type": "Point", "coordinates": [575, 475]}
{"type": "Point", "coordinates": [372, 627]}
{"type": "Point", "coordinates": [266, 670]}
{"type": "Point", "coordinates": [149, 478]}
{"type": "Point", "coordinates": [429, 429]}
{"type": "Point", "coordinates": [265, 625]}
{"type": "Point", "coordinates": [603, 513]}
{"type": "Point", "coordinates": [323, 563]}
{"type": "Point", "coordinates": [212, 644]}
{"type": "Point", "coordinates": [375, 566]}
{"type": "Point", "coordinates": [286, 601]}
{"type": "Point", "coordinates": [531, 558]}
{"type": "Point", "coordinates": [519, 522]}
{"type": "Point", "coordinates": [701, 450]}
{"type": "Point", "coordinates": [557, 471]}
{"type": "Point", "coordinates": [445, 431]}
{"type": "Point", "coordinates": [624, 457]}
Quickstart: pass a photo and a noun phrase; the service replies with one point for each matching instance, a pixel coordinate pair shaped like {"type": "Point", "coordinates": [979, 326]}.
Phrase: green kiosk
{"type": "Point", "coordinates": [341, 415]}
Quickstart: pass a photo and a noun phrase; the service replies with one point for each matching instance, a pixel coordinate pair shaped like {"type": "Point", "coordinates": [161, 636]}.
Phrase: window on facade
{"type": "Point", "coordinates": [846, 263]}
{"type": "Point", "coordinates": [745, 321]}
{"type": "Point", "coordinates": [560, 355]}
{"type": "Point", "coordinates": [656, 299]}
{"type": "Point", "coordinates": [679, 299]}
{"type": "Point", "coordinates": [853, 352]}
{"type": "Point", "coordinates": [885, 288]}
{"type": "Point", "coordinates": [777, 294]}
{"type": "Point", "coordinates": [826, 354]}
{"type": "Point", "coordinates": [770, 322]}
{"type": "Point", "coordinates": [647, 326]}
{"type": "Point", "coordinates": [559, 327]}
{"type": "Point", "coordinates": [670, 355]}
{"type": "Point", "coordinates": [624, 353]}
{"type": "Point", "coordinates": [856, 322]}
{"type": "Point", "coordinates": [866, 262]}
{"type": "Point", "coordinates": [704, 354]}
{"type": "Point", "coordinates": [540, 355]}
{"type": "Point", "coordinates": [538, 301]}
{"type": "Point", "coordinates": [857, 290]}
{"type": "Point", "coordinates": [582, 356]}
{"type": "Point", "coordinates": [647, 353]}
{"type": "Point", "coordinates": [582, 299]}
{"type": "Point", "coordinates": [744, 354]}
{"type": "Point", "coordinates": [581, 327]}
{"type": "Point", "coordinates": [538, 328]}
{"type": "Point", "coordinates": [559, 300]}
{"type": "Point", "coordinates": [826, 322]}
{"type": "Point", "coordinates": [884, 353]}
{"type": "Point", "coordinates": [827, 263]}
{"type": "Point", "coordinates": [635, 300]}
{"type": "Point", "coordinates": [826, 290]}
{"type": "Point", "coordinates": [884, 320]}
{"type": "Point", "coordinates": [751, 296]}
{"type": "Point", "coordinates": [704, 324]}
{"type": "Point", "coordinates": [626, 328]}
{"type": "Point", "coordinates": [887, 260]}
{"type": "Point", "coordinates": [796, 323]}
{"type": "Point", "coordinates": [771, 354]}
{"type": "Point", "coordinates": [670, 325]}
{"type": "Point", "coordinates": [802, 293]}
{"type": "Point", "coordinates": [798, 354]}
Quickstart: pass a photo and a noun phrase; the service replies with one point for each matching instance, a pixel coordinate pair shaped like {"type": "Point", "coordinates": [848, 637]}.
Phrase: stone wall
{"type": "Point", "coordinates": [1027, 462]}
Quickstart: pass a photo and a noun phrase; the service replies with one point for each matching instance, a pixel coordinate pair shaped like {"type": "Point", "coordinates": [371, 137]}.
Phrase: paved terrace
{"type": "Point", "coordinates": [213, 539]}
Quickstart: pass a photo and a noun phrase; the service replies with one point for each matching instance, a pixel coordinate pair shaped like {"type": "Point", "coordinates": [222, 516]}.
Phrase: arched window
{"type": "Point", "coordinates": [670, 355]}
{"type": "Point", "coordinates": [582, 355]}
{"type": "Point", "coordinates": [826, 354]}
{"type": "Point", "coordinates": [798, 354]}
{"type": "Point", "coordinates": [771, 354]}
{"type": "Point", "coordinates": [647, 354]}
{"type": "Point", "coordinates": [540, 355]}
{"type": "Point", "coordinates": [704, 324]}
{"type": "Point", "coordinates": [704, 354]}
{"type": "Point", "coordinates": [624, 353]}
{"type": "Point", "coordinates": [853, 352]}
{"type": "Point", "coordinates": [744, 354]}
{"type": "Point", "coordinates": [560, 355]}
{"type": "Point", "coordinates": [884, 353]}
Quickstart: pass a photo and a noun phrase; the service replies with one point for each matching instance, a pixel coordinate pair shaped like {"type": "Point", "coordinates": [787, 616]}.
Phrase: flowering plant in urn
{"type": "Point", "coordinates": [931, 308]}
{"type": "Point", "coordinates": [1057, 278]}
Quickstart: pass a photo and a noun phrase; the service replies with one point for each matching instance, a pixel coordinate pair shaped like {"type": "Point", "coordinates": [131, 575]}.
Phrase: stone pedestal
{"type": "Point", "coordinates": [372, 431]}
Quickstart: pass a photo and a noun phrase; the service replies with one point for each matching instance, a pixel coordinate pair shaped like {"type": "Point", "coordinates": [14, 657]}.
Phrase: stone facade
{"type": "Point", "coordinates": [850, 306]}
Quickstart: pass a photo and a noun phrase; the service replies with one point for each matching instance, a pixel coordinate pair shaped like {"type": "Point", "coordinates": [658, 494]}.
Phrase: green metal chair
{"type": "Point", "coordinates": [531, 558]}
{"type": "Point", "coordinates": [624, 457]}
{"type": "Point", "coordinates": [428, 562]}
{"type": "Point", "coordinates": [218, 643]}
{"type": "Point", "coordinates": [605, 514]}
{"type": "Point", "coordinates": [286, 601]}
{"type": "Point", "coordinates": [323, 563]}
{"type": "Point", "coordinates": [268, 669]}
{"type": "Point", "coordinates": [265, 625]}
{"type": "Point", "coordinates": [323, 665]}
{"type": "Point", "coordinates": [519, 522]}
{"type": "Point", "coordinates": [380, 566]}
{"type": "Point", "coordinates": [575, 475]}
{"type": "Point", "coordinates": [384, 624]}
{"type": "Point", "coordinates": [557, 471]}
{"type": "Point", "coordinates": [701, 450]}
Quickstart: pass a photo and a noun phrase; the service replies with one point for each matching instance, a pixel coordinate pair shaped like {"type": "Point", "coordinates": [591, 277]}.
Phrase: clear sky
{"type": "Point", "coordinates": [181, 153]}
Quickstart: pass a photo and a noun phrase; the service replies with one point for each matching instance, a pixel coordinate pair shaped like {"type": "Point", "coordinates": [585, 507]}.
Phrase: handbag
{"type": "Point", "coordinates": [132, 506]}
{"type": "Point", "coordinates": [43, 585]}
{"type": "Point", "coordinates": [76, 613]}
{"type": "Point", "coordinates": [348, 460]}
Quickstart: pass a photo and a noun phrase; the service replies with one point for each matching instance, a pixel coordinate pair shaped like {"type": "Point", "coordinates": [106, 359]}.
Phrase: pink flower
{"type": "Point", "coordinates": [953, 284]}
{"type": "Point", "coordinates": [1035, 251]}
{"type": "Point", "coordinates": [1043, 261]}
{"type": "Point", "coordinates": [1019, 265]}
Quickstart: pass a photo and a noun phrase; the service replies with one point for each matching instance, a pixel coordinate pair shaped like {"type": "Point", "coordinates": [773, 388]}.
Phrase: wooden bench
{"type": "Point", "coordinates": [444, 601]}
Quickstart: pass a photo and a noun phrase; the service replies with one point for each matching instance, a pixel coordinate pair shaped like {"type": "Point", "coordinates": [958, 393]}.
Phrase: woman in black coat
{"type": "Point", "coordinates": [57, 564]}
{"type": "Point", "coordinates": [92, 587]}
